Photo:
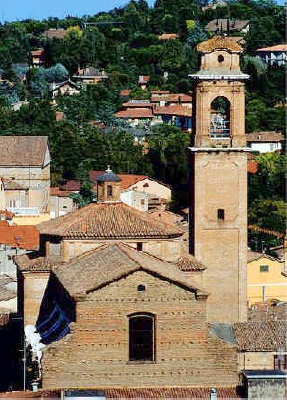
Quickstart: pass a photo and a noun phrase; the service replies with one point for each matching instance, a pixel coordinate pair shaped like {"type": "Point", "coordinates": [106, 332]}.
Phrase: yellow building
{"type": "Point", "coordinates": [265, 278]}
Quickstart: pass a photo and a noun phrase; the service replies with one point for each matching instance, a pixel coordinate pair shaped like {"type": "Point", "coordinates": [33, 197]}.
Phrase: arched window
{"type": "Point", "coordinates": [142, 337]}
{"type": "Point", "coordinates": [220, 118]}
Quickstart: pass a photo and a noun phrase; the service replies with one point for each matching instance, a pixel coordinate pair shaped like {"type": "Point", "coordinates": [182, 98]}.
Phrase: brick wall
{"type": "Point", "coordinates": [96, 352]}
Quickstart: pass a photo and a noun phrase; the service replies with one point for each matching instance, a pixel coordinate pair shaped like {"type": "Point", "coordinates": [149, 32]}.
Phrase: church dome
{"type": "Point", "coordinates": [108, 176]}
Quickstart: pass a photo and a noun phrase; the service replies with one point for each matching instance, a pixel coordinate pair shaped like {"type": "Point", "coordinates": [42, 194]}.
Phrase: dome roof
{"type": "Point", "coordinates": [108, 176]}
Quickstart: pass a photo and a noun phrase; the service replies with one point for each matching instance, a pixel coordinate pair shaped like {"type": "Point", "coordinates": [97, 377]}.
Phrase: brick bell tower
{"type": "Point", "coordinates": [218, 204]}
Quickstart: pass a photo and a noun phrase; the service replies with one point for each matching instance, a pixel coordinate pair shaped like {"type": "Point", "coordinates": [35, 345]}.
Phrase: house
{"type": "Point", "coordinates": [168, 36]}
{"type": "Point", "coordinates": [38, 57]}
{"type": "Point", "coordinates": [143, 81]}
{"type": "Point", "coordinates": [25, 172]}
{"type": "Point", "coordinates": [60, 202]}
{"type": "Point", "coordinates": [273, 55]}
{"type": "Point", "coordinates": [66, 87]}
{"type": "Point", "coordinates": [224, 25]}
{"type": "Point", "coordinates": [265, 280]}
{"type": "Point", "coordinates": [52, 33]}
{"type": "Point", "coordinates": [89, 76]}
{"type": "Point", "coordinates": [136, 199]}
{"type": "Point", "coordinates": [265, 142]}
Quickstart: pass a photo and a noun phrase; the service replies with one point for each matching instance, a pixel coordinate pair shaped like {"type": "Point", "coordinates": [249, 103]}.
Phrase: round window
{"type": "Point", "coordinates": [220, 58]}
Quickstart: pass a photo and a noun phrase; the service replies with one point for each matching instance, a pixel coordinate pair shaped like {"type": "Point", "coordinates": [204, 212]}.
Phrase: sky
{"type": "Point", "coordinates": [13, 10]}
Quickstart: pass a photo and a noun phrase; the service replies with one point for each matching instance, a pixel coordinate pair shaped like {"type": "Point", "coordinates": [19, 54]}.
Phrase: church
{"type": "Point", "coordinates": [118, 301]}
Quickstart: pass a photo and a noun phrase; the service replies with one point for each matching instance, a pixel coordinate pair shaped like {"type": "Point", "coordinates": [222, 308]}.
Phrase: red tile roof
{"type": "Point", "coordinates": [128, 180]}
{"type": "Point", "coordinates": [37, 53]}
{"type": "Point", "coordinates": [125, 92]}
{"type": "Point", "coordinates": [168, 36]}
{"type": "Point", "coordinates": [139, 393]}
{"type": "Point", "coordinates": [111, 262]}
{"type": "Point", "coordinates": [252, 166]}
{"type": "Point", "coordinates": [137, 104]}
{"type": "Point", "coordinates": [277, 47]}
{"type": "Point", "coordinates": [55, 191]}
{"type": "Point", "coordinates": [135, 113]}
{"type": "Point", "coordinates": [108, 221]}
{"type": "Point", "coordinates": [265, 137]}
{"type": "Point", "coordinates": [55, 33]}
{"type": "Point", "coordinates": [71, 185]}
{"type": "Point", "coordinates": [7, 214]}
{"type": "Point", "coordinates": [23, 150]}
{"type": "Point", "coordinates": [179, 110]}
{"type": "Point", "coordinates": [19, 236]}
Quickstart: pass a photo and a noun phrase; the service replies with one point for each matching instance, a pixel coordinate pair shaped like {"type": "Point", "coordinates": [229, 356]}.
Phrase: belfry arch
{"type": "Point", "coordinates": [219, 118]}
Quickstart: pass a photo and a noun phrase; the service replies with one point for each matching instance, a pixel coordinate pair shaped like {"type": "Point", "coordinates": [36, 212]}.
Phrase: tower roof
{"type": "Point", "coordinates": [218, 42]}
{"type": "Point", "coordinates": [108, 176]}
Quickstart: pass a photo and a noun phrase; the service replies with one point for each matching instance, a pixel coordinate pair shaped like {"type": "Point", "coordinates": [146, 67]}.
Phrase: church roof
{"type": "Point", "coordinates": [108, 221]}
{"type": "Point", "coordinates": [218, 42]}
{"type": "Point", "coordinates": [108, 176]}
{"type": "Point", "coordinates": [111, 262]}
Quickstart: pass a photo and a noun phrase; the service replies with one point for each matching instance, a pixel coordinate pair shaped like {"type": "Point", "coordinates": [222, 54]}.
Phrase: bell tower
{"type": "Point", "coordinates": [218, 203]}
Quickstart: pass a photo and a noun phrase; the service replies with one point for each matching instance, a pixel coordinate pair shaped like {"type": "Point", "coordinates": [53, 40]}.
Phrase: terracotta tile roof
{"type": "Point", "coordinates": [32, 262]}
{"type": "Point", "coordinates": [93, 175]}
{"type": "Point", "coordinates": [218, 42]}
{"type": "Point", "coordinates": [252, 166]}
{"type": "Point", "coordinates": [264, 137]}
{"type": "Point", "coordinates": [178, 110]}
{"type": "Point", "coordinates": [137, 104]}
{"type": "Point", "coordinates": [71, 185]}
{"type": "Point", "coordinates": [135, 113]}
{"type": "Point", "coordinates": [188, 263]}
{"type": "Point", "coordinates": [277, 47]}
{"type": "Point", "coordinates": [261, 336]}
{"type": "Point", "coordinates": [125, 92]}
{"type": "Point", "coordinates": [166, 216]}
{"type": "Point", "coordinates": [144, 78]}
{"type": "Point", "coordinates": [55, 191]}
{"type": "Point", "coordinates": [110, 263]}
{"type": "Point", "coordinates": [168, 36]}
{"type": "Point", "coordinates": [253, 256]}
{"type": "Point", "coordinates": [19, 236]}
{"type": "Point", "coordinates": [38, 52]}
{"type": "Point", "coordinates": [235, 25]}
{"type": "Point", "coordinates": [23, 150]}
{"type": "Point", "coordinates": [159, 92]}
{"type": "Point", "coordinates": [107, 221]}
{"type": "Point", "coordinates": [55, 33]}
{"type": "Point", "coordinates": [138, 393]}
{"type": "Point", "coordinates": [129, 179]}
{"type": "Point", "coordinates": [172, 97]}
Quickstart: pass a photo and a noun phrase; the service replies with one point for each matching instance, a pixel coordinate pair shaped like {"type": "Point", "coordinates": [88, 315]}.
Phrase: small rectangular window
{"type": "Point", "coordinates": [220, 214]}
{"type": "Point", "coordinates": [109, 190]}
{"type": "Point", "coordinates": [139, 246]}
{"type": "Point", "coordinates": [264, 268]}
{"type": "Point", "coordinates": [280, 361]}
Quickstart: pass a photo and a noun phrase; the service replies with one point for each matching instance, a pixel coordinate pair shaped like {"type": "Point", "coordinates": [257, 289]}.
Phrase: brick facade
{"type": "Point", "coordinates": [96, 351]}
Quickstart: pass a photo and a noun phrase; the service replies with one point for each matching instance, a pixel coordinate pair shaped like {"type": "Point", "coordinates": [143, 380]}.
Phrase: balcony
{"type": "Point", "coordinates": [23, 210]}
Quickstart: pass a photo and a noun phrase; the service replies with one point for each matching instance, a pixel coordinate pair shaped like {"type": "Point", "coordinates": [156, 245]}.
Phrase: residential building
{"type": "Point", "coordinates": [66, 87]}
{"type": "Point", "coordinates": [89, 76]}
{"type": "Point", "coordinates": [265, 278]}
{"type": "Point", "coordinates": [25, 172]}
{"type": "Point", "coordinates": [265, 142]}
{"type": "Point", "coordinates": [273, 55]}
{"type": "Point", "coordinates": [136, 199]}
{"type": "Point", "coordinates": [143, 81]}
{"type": "Point", "coordinates": [38, 58]}
{"type": "Point", "coordinates": [60, 202]}
{"type": "Point", "coordinates": [225, 25]}
{"type": "Point", "coordinates": [53, 33]}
